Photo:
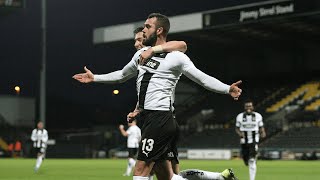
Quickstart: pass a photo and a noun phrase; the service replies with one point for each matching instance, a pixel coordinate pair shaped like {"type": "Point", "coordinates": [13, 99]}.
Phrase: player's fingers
{"type": "Point", "coordinates": [86, 69]}
{"type": "Point", "coordinates": [237, 83]}
{"type": "Point", "coordinates": [76, 76]}
{"type": "Point", "coordinates": [129, 120]}
{"type": "Point", "coordinates": [141, 60]}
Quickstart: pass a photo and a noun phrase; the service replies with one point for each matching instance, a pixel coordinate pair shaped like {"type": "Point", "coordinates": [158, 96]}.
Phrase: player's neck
{"type": "Point", "coordinates": [161, 40]}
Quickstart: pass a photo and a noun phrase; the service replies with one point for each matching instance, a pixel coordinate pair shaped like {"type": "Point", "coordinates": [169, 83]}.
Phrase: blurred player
{"type": "Point", "coordinates": [156, 82]}
{"type": "Point", "coordinates": [133, 133]}
{"type": "Point", "coordinates": [249, 127]}
{"type": "Point", "coordinates": [39, 137]}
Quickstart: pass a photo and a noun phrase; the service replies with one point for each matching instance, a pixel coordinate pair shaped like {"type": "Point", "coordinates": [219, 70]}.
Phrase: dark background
{"type": "Point", "coordinates": [70, 27]}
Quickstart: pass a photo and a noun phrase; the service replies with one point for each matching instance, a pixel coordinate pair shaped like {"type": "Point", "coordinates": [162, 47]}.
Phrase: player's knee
{"type": "Point", "coordinates": [142, 168]}
{"type": "Point", "coordinates": [138, 169]}
{"type": "Point", "coordinates": [252, 160]}
{"type": "Point", "coordinates": [252, 163]}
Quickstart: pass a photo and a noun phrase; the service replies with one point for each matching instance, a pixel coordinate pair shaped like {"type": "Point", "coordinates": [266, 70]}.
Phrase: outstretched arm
{"type": "Point", "coordinates": [119, 76]}
{"type": "Point", "coordinates": [166, 47]}
{"type": "Point", "coordinates": [207, 81]}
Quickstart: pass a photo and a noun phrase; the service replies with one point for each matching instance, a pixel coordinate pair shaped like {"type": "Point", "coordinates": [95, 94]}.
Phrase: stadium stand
{"type": "Point", "coordinates": [214, 138]}
{"type": "Point", "coordinates": [295, 138]}
{"type": "Point", "coordinates": [304, 93]}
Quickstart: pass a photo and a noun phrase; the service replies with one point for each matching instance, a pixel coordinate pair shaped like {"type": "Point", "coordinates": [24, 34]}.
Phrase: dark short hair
{"type": "Point", "coordinates": [137, 30]}
{"type": "Point", "coordinates": [162, 21]}
{"type": "Point", "coordinates": [248, 101]}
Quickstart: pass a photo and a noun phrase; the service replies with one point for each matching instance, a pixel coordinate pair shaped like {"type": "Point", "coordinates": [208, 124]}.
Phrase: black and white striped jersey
{"type": "Point", "coordinates": [249, 123]}
{"type": "Point", "coordinates": [39, 138]}
{"type": "Point", "coordinates": [157, 78]}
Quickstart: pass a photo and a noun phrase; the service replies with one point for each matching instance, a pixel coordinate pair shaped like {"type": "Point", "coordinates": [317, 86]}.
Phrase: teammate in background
{"type": "Point", "coordinates": [249, 127]}
{"type": "Point", "coordinates": [39, 137]}
{"type": "Point", "coordinates": [133, 133]}
{"type": "Point", "coordinates": [156, 82]}
{"type": "Point", "coordinates": [138, 38]}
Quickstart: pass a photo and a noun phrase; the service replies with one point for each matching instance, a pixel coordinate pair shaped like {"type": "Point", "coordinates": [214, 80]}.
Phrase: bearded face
{"type": "Point", "coordinates": [151, 40]}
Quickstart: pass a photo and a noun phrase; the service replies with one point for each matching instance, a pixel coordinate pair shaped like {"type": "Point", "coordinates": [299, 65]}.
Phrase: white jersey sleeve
{"type": "Point", "coordinates": [259, 119]}
{"type": "Point", "coordinates": [45, 136]}
{"type": "Point", "coordinates": [34, 135]}
{"type": "Point", "coordinates": [208, 82]}
{"type": "Point", "coordinates": [128, 72]}
{"type": "Point", "coordinates": [239, 120]}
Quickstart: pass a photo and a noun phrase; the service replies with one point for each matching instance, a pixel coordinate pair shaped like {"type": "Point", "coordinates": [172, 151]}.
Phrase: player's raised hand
{"type": "Point", "coordinates": [121, 126]}
{"type": "Point", "coordinates": [235, 91]}
{"type": "Point", "coordinates": [145, 55]}
{"type": "Point", "coordinates": [86, 77]}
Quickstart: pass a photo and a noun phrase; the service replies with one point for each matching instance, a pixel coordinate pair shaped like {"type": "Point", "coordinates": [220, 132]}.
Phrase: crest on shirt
{"type": "Point", "coordinates": [153, 64]}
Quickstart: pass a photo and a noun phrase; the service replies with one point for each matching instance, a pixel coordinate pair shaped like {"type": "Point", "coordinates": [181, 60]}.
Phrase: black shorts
{"type": "Point", "coordinates": [39, 150]}
{"type": "Point", "coordinates": [160, 133]}
{"type": "Point", "coordinates": [173, 154]}
{"type": "Point", "coordinates": [249, 151]}
{"type": "Point", "coordinates": [132, 152]}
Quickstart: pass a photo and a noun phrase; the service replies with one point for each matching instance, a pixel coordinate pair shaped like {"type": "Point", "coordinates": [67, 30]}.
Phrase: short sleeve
{"type": "Point", "coordinates": [238, 120]}
{"type": "Point", "coordinates": [260, 120]}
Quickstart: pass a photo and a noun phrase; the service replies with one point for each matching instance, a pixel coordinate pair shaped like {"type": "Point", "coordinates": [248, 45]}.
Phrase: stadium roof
{"type": "Point", "coordinates": [264, 21]}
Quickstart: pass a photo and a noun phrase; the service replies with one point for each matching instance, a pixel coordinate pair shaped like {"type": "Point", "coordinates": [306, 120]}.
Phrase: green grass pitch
{"type": "Point", "coordinates": [109, 169]}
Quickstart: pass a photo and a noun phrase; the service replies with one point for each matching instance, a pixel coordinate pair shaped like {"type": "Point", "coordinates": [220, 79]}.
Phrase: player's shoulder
{"type": "Point", "coordinates": [179, 58]}
{"type": "Point", "coordinates": [258, 115]}
{"type": "Point", "coordinates": [135, 127]}
{"type": "Point", "coordinates": [138, 53]}
{"type": "Point", "coordinates": [240, 115]}
{"type": "Point", "coordinates": [34, 130]}
{"type": "Point", "coordinates": [141, 50]}
{"type": "Point", "coordinates": [176, 54]}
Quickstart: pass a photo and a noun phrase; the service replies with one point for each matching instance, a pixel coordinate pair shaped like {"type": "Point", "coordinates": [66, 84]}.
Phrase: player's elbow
{"type": "Point", "coordinates": [123, 79]}
{"type": "Point", "coordinates": [184, 46]}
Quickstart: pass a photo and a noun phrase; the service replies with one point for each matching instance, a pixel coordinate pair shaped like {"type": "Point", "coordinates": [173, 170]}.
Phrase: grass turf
{"type": "Point", "coordinates": [109, 169]}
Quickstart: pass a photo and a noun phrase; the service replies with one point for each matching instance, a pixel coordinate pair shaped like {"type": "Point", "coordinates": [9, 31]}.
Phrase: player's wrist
{"type": "Point", "coordinates": [157, 49]}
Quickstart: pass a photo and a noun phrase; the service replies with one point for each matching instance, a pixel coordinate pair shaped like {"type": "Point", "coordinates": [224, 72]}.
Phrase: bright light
{"type": "Point", "coordinates": [17, 89]}
{"type": "Point", "coordinates": [116, 92]}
